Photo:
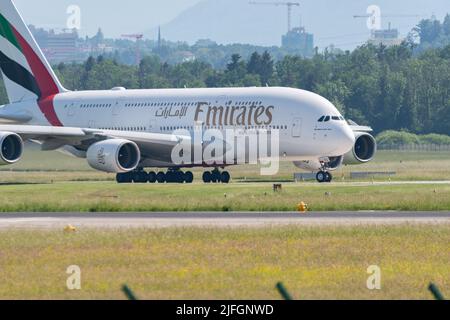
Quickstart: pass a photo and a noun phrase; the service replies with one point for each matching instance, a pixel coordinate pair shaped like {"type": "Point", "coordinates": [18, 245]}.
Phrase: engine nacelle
{"type": "Point", "coordinates": [363, 151]}
{"type": "Point", "coordinates": [314, 165]}
{"type": "Point", "coordinates": [11, 148]}
{"type": "Point", "coordinates": [114, 156]}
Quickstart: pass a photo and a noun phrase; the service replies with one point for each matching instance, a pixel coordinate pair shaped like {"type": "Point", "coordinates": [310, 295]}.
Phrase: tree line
{"type": "Point", "coordinates": [386, 88]}
{"type": "Point", "coordinates": [431, 33]}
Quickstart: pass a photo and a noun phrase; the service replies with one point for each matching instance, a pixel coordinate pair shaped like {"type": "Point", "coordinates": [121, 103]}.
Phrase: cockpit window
{"type": "Point", "coordinates": [328, 118]}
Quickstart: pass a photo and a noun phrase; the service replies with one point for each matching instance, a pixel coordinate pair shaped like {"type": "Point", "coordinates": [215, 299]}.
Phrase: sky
{"type": "Point", "coordinates": [229, 21]}
{"type": "Point", "coordinates": [113, 16]}
{"type": "Point", "coordinates": [331, 21]}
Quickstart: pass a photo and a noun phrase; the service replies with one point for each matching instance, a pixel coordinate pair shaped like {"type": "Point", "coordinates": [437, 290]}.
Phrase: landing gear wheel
{"type": "Point", "coordinates": [188, 177]}
{"type": "Point", "coordinates": [124, 178]}
{"type": "Point", "coordinates": [152, 177]}
{"type": "Point", "coordinates": [120, 178]}
{"type": "Point", "coordinates": [170, 177]}
{"type": "Point", "coordinates": [225, 177]}
{"type": "Point", "coordinates": [216, 176]}
{"type": "Point", "coordinates": [174, 177]}
{"type": "Point", "coordinates": [161, 177]}
{"type": "Point", "coordinates": [140, 177]}
{"type": "Point", "coordinates": [207, 177]}
{"type": "Point", "coordinates": [329, 177]}
{"type": "Point", "coordinates": [321, 176]}
{"type": "Point", "coordinates": [178, 177]}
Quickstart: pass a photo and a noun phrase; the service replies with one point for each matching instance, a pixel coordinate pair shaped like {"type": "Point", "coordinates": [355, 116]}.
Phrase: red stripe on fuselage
{"type": "Point", "coordinates": [44, 80]}
{"type": "Point", "coordinates": [48, 109]}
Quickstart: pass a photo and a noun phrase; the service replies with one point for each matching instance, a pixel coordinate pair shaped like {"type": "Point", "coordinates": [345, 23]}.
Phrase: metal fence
{"type": "Point", "coordinates": [416, 147]}
{"type": "Point", "coordinates": [371, 174]}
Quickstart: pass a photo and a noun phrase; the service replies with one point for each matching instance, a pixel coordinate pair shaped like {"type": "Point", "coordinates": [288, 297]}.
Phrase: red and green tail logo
{"type": "Point", "coordinates": [20, 64]}
{"type": "Point", "coordinates": [41, 83]}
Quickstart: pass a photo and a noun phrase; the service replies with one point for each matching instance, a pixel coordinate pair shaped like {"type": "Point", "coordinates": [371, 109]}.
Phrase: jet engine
{"type": "Point", "coordinates": [114, 156]}
{"type": "Point", "coordinates": [363, 151]}
{"type": "Point", "coordinates": [11, 145]}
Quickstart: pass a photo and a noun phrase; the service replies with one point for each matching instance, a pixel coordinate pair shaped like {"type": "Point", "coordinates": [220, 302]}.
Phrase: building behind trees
{"type": "Point", "coordinates": [298, 41]}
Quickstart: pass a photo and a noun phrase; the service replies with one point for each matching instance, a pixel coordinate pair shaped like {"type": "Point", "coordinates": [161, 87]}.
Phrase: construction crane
{"type": "Point", "coordinates": [289, 6]}
{"type": "Point", "coordinates": [137, 37]}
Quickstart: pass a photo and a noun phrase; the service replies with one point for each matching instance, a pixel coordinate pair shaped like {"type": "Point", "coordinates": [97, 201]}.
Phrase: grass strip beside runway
{"type": "Point", "coordinates": [110, 197]}
{"type": "Point", "coordinates": [324, 263]}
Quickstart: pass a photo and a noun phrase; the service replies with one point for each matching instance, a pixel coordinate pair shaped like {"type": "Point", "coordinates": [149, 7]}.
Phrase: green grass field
{"type": "Point", "coordinates": [110, 197]}
{"type": "Point", "coordinates": [313, 263]}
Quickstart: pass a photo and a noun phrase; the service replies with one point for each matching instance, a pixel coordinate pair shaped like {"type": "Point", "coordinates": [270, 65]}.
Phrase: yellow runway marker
{"type": "Point", "coordinates": [70, 228]}
{"type": "Point", "coordinates": [302, 207]}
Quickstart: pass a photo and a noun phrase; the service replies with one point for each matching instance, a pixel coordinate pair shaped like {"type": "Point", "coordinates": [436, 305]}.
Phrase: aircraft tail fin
{"type": "Point", "coordinates": [26, 72]}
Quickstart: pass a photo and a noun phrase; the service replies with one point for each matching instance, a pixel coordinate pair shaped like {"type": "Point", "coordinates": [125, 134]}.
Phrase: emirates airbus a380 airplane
{"type": "Point", "coordinates": [125, 131]}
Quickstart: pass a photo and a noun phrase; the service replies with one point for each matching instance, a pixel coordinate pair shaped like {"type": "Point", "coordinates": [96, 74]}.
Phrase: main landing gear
{"type": "Point", "coordinates": [141, 176]}
{"type": "Point", "coordinates": [324, 176]}
{"type": "Point", "coordinates": [172, 176]}
{"type": "Point", "coordinates": [216, 176]}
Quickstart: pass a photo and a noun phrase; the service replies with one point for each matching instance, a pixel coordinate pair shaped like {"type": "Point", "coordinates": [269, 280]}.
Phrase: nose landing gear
{"type": "Point", "coordinates": [324, 176]}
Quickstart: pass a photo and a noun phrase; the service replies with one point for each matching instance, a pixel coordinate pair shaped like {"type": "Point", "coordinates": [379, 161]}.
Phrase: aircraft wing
{"type": "Point", "coordinates": [153, 145]}
{"type": "Point", "coordinates": [361, 129]}
{"type": "Point", "coordinates": [17, 117]}
{"type": "Point", "coordinates": [357, 128]}
{"type": "Point", "coordinates": [42, 133]}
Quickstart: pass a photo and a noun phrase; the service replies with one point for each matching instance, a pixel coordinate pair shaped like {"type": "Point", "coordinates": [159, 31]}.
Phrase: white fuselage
{"type": "Point", "coordinates": [295, 113]}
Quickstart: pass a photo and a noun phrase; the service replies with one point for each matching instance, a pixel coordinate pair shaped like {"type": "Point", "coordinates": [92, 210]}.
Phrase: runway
{"type": "Point", "coordinates": [215, 219]}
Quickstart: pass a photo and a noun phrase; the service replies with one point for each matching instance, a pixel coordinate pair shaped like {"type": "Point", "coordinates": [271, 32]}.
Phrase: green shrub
{"type": "Point", "coordinates": [392, 138]}
{"type": "Point", "coordinates": [434, 139]}
{"type": "Point", "coordinates": [397, 138]}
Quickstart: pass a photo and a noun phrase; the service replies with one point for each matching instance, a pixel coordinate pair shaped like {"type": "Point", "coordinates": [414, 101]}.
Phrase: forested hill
{"type": "Point", "coordinates": [387, 88]}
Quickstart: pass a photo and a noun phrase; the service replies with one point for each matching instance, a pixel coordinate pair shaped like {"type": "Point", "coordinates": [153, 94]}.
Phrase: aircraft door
{"type": "Point", "coordinates": [297, 128]}
{"type": "Point", "coordinates": [116, 108]}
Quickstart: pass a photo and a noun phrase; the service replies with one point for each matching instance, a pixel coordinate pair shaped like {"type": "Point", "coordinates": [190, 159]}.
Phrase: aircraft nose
{"type": "Point", "coordinates": [347, 138]}
{"type": "Point", "coordinates": [344, 140]}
